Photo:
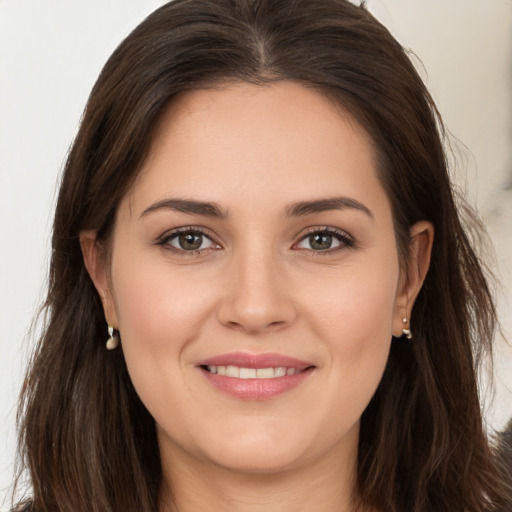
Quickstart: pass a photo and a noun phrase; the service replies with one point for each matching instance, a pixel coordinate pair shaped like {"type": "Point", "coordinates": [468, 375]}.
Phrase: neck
{"type": "Point", "coordinates": [324, 485]}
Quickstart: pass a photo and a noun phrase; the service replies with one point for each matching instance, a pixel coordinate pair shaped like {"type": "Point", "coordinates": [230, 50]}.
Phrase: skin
{"type": "Point", "coordinates": [258, 285]}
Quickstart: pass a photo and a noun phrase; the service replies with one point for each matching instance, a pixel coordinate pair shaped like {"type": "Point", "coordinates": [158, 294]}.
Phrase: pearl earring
{"type": "Point", "coordinates": [406, 331]}
{"type": "Point", "coordinates": [113, 340]}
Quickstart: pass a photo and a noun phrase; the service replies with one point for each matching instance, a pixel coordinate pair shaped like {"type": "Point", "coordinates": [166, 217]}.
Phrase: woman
{"type": "Point", "coordinates": [261, 293]}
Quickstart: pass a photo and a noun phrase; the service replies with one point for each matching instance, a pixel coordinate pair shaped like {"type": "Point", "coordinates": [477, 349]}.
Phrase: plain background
{"type": "Point", "coordinates": [50, 54]}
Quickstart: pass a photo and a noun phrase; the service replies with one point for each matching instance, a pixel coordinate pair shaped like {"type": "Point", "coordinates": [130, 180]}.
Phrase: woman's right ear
{"type": "Point", "coordinates": [96, 265]}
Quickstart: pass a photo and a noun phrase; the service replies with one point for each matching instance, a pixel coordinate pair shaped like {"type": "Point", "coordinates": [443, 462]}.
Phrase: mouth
{"type": "Point", "coordinates": [238, 372]}
{"type": "Point", "coordinates": [255, 376]}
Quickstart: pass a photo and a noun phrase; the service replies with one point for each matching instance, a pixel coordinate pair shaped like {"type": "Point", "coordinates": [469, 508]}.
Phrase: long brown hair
{"type": "Point", "coordinates": [86, 438]}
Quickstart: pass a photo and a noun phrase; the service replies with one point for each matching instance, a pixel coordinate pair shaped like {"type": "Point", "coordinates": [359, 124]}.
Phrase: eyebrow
{"type": "Point", "coordinates": [301, 208]}
{"type": "Point", "coordinates": [189, 206]}
{"type": "Point", "coordinates": [322, 205]}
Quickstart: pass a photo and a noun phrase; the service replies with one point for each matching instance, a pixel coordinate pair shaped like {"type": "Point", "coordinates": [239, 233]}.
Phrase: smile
{"type": "Point", "coordinates": [254, 376]}
{"type": "Point", "coordinates": [252, 373]}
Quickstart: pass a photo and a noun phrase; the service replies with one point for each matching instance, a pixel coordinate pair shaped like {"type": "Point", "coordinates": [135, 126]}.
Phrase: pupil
{"type": "Point", "coordinates": [190, 241]}
{"type": "Point", "coordinates": [320, 241]}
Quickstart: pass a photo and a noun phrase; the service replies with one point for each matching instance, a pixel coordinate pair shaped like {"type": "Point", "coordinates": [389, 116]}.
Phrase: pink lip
{"type": "Point", "coordinates": [245, 360]}
{"type": "Point", "coordinates": [255, 389]}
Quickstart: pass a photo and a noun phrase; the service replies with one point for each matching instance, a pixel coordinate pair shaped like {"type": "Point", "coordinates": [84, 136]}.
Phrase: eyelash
{"type": "Point", "coordinates": [164, 240]}
{"type": "Point", "coordinates": [346, 241]}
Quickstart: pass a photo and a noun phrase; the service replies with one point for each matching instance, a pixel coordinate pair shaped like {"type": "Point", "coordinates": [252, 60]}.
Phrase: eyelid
{"type": "Point", "coordinates": [163, 240]}
{"type": "Point", "coordinates": [347, 241]}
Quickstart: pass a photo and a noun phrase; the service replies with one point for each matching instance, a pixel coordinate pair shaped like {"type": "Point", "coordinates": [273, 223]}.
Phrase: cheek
{"type": "Point", "coordinates": [356, 303]}
{"type": "Point", "coordinates": [155, 306]}
{"type": "Point", "coordinates": [160, 313]}
{"type": "Point", "coordinates": [354, 317]}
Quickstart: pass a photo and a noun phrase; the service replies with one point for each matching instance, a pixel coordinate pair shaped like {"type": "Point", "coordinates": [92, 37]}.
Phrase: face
{"type": "Point", "coordinates": [254, 278]}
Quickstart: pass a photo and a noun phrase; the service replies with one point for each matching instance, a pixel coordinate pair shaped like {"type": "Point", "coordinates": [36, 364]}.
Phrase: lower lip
{"type": "Point", "coordinates": [256, 389]}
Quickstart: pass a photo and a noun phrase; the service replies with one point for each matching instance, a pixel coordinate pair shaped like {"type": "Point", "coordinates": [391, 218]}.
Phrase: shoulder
{"type": "Point", "coordinates": [23, 507]}
{"type": "Point", "coordinates": [505, 447]}
{"type": "Point", "coordinates": [505, 461]}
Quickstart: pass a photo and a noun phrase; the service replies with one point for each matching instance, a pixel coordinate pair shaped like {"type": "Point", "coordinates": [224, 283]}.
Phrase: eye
{"type": "Point", "coordinates": [187, 240]}
{"type": "Point", "coordinates": [325, 240]}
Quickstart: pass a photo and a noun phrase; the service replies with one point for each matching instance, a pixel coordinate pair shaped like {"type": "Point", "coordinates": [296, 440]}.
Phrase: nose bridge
{"type": "Point", "coordinates": [257, 300]}
{"type": "Point", "coordinates": [256, 273]}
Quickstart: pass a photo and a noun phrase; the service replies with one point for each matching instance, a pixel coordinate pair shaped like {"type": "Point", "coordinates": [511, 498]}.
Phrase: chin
{"type": "Point", "coordinates": [262, 450]}
{"type": "Point", "coordinates": [256, 460]}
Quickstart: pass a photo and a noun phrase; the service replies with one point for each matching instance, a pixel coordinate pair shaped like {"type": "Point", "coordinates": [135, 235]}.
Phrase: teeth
{"type": "Point", "coordinates": [265, 373]}
{"type": "Point", "coordinates": [232, 371]}
{"type": "Point", "coordinates": [247, 373]}
{"type": "Point", "coordinates": [281, 371]}
{"type": "Point", "coordinates": [252, 373]}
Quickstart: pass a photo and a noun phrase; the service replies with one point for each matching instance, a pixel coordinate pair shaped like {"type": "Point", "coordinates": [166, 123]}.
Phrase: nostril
{"type": "Point", "coordinates": [252, 313]}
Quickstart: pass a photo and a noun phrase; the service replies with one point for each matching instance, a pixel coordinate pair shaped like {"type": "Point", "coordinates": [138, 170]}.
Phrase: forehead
{"type": "Point", "coordinates": [245, 141]}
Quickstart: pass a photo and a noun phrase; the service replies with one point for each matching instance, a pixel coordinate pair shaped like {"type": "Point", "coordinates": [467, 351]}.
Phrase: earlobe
{"type": "Point", "coordinates": [96, 266]}
{"type": "Point", "coordinates": [421, 242]}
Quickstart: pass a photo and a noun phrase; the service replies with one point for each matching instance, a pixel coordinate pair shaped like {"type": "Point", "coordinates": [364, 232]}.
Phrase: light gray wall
{"type": "Point", "coordinates": [51, 52]}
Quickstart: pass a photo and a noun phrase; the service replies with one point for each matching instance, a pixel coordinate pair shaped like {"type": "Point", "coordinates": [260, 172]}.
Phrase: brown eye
{"type": "Point", "coordinates": [188, 241]}
{"type": "Point", "coordinates": [325, 240]}
{"type": "Point", "coordinates": [320, 241]}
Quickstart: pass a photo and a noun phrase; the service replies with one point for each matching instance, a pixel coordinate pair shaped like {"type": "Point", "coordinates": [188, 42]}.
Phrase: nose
{"type": "Point", "coordinates": [258, 298]}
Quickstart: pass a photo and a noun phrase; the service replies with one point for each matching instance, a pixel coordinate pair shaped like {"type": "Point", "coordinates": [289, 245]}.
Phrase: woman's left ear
{"type": "Point", "coordinates": [421, 237]}
{"type": "Point", "coordinates": [96, 265]}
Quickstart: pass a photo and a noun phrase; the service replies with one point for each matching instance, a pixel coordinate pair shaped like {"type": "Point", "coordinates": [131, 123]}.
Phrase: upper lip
{"type": "Point", "coordinates": [246, 360]}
